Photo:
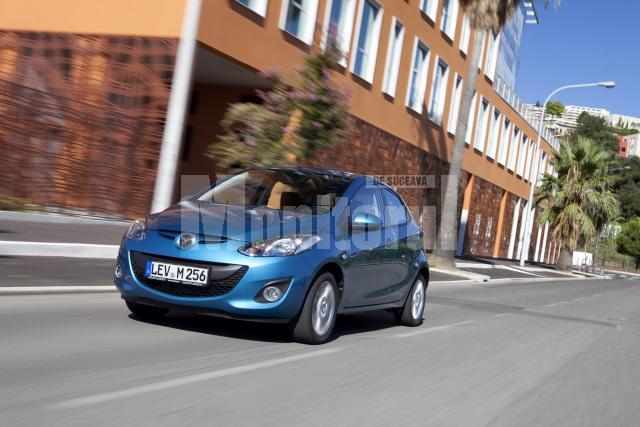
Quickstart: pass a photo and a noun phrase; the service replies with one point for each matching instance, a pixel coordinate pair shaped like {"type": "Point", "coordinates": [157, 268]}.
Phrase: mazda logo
{"type": "Point", "coordinates": [186, 241]}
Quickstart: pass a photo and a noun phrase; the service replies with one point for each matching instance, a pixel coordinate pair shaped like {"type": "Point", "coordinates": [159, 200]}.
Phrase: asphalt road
{"type": "Point", "coordinates": [546, 353]}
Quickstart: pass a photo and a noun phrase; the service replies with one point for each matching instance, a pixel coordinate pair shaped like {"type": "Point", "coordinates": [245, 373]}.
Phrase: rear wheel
{"type": "Point", "coordinates": [318, 316]}
{"type": "Point", "coordinates": [144, 310]}
{"type": "Point", "coordinates": [413, 310]}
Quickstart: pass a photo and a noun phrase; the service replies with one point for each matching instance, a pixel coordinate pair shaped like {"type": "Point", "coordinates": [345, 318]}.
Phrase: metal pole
{"type": "Point", "coordinates": [528, 208]}
{"type": "Point", "coordinates": [176, 110]}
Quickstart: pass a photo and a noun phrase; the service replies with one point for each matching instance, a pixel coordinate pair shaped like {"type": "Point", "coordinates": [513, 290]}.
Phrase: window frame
{"type": "Point", "coordinates": [504, 141]}
{"type": "Point", "coordinates": [438, 95]}
{"type": "Point", "coordinates": [344, 42]}
{"type": "Point", "coordinates": [494, 132]}
{"type": "Point", "coordinates": [258, 7]}
{"type": "Point", "coordinates": [421, 78]}
{"type": "Point", "coordinates": [429, 8]}
{"type": "Point", "coordinates": [369, 73]}
{"type": "Point", "coordinates": [491, 60]}
{"type": "Point", "coordinates": [516, 137]}
{"type": "Point", "coordinates": [394, 57]}
{"type": "Point", "coordinates": [522, 155]}
{"type": "Point", "coordinates": [472, 118]}
{"type": "Point", "coordinates": [481, 129]}
{"type": "Point", "coordinates": [452, 9]}
{"type": "Point", "coordinates": [308, 21]}
{"type": "Point", "coordinates": [454, 109]}
{"type": "Point", "coordinates": [465, 35]}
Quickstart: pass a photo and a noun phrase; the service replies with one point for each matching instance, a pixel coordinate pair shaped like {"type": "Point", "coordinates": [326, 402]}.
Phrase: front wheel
{"type": "Point", "coordinates": [144, 310]}
{"type": "Point", "coordinates": [413, 310]}
{"type": "Point", "coordinates": [318, 315]}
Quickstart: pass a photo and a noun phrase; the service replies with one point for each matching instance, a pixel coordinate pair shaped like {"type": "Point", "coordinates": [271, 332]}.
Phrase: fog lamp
{"type": "Point", "coordinates": [272, 293]}
{"type": "Point", "coordinates": [118, 272]}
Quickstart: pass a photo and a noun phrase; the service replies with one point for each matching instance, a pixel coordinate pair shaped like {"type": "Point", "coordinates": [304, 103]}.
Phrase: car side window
{"type": "Point", "coordinates": [366, 200]}
{"type": "Point", "coordinates": [394, 210]}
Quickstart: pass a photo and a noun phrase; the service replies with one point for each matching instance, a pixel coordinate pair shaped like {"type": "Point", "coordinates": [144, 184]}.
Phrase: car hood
{"type": "Point", "coordinates": [232, 222]}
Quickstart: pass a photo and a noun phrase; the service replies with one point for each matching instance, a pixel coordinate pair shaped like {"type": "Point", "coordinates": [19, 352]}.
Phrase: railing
{"type": "Point", "coordinates": [509, 95]}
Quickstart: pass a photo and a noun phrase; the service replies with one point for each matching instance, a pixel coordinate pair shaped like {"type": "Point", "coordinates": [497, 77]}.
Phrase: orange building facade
{"type": "Point", "coordinates": [84, 90]}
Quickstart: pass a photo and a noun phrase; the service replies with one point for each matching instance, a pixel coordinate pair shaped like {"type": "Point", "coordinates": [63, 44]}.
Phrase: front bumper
{"type": "Point", "coordinates": [237, 303]}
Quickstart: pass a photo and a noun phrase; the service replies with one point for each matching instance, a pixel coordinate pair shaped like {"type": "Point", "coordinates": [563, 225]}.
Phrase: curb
{"type": "Point", "coordinates": [470, 276]}
{"type": "Point", "coordinates": [44, 290]}
{"type": "Point", "coordinates": [57, 218]}
{"type": "Point", "coordinates": [47, 249]}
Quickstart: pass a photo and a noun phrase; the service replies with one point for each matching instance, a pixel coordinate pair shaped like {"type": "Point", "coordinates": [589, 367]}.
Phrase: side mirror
{"type": "Point", "coordinates": [365, 222]}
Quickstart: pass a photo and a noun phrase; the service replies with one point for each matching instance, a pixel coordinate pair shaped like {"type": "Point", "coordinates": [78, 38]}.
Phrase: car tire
{"type": "Point", "coordinates": [315, 322]}
{"type": "Point", "coordinates": [144, 310]}
{"type": "Point", "coordinates": [413, 310]}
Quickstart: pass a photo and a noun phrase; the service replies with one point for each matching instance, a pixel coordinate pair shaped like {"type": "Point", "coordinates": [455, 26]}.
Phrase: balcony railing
{"type": "Point", "coordinates": [509, 95]}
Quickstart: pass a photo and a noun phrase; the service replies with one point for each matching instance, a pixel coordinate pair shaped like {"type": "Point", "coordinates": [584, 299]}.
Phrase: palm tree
{"type": "Point", "coordinates": [579, 198]}
{"type": "Point", "coordinates": [483, 15]}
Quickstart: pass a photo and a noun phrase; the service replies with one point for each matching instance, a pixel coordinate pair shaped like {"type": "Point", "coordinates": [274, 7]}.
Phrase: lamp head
{"type": "Point", "coordinates": [608, 85]}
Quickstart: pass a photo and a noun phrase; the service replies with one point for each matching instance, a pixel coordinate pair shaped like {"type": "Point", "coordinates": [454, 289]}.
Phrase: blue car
{"type": "Point", "coordinates": [296, 246]}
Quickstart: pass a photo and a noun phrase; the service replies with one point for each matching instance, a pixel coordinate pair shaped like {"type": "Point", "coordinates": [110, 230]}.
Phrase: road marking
{"type": "Point", "coordinates": [23, 290]}
{"type": "Point", "coordinates": [189, 379]}
{"type": "Point", "coordinates": [72, 250]}
{"type": "Point", "coordinates": [503, 314]}
{"type": "Point", "coordinates": [433, 329]}
{"type": "Point", "coordinates": [555, 303]}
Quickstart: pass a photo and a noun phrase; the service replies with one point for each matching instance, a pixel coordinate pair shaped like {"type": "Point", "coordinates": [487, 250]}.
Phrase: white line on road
{"type": "Point", "coordinates": [555, 303]}
{"type": "Point", "coordinates": [433, 329]}
{"type": "Point", "coordinates": [189, 379]}
{"type": "Point", "coordinates": [71, 250]}
{"type": "Point", "coordinates": [22, 290]}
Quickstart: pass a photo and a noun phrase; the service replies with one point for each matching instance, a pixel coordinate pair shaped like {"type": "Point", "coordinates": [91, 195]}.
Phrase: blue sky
{"type": "Point", "coordinates": [580, 42]}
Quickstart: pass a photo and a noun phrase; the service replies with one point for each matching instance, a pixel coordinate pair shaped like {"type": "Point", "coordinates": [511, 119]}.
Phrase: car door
{"type": "Point", "coordinates": [365, 274]}
{"type": "Point", "coordinates": [396, 223]}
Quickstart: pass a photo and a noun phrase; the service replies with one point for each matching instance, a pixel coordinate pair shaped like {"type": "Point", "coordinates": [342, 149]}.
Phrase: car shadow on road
{"type": "Point", "coordinates": [352, 324]}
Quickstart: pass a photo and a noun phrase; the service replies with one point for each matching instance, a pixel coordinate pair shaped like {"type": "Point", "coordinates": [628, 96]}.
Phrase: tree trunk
{"type": "Point", "coordinates": [447, 237]}
{"type": "Point", "coordinates": [565, 262]}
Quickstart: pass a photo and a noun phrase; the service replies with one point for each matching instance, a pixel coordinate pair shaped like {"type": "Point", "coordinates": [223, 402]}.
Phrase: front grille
{"type": "Point", "coordinates": [216, 287]}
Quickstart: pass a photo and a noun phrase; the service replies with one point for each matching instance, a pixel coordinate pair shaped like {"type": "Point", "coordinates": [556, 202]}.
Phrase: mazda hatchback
{"type": "Point", "coordinates": [296, 246]}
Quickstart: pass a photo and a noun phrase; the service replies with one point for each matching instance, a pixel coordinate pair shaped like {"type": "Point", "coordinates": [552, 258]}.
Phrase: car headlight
{"type": "Point", "coordinates": [281, 246]}
{"type": "Point", "coordinates": [137, 230]}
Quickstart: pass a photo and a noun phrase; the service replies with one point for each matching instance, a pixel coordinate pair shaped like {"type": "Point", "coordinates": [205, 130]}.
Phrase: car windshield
{"type": "Point", "coordinates": [291, 190]}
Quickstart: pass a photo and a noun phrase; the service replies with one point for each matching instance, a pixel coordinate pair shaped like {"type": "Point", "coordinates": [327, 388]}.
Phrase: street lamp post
{"type": "Point", "coordinates": [524, 244]}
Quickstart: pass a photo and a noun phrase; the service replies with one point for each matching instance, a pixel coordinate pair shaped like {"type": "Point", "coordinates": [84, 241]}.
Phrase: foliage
{"type": "Point", "coordinates": [627, 187]}
{"type": "Point", "coordinates": [579, 199]}
{"type": "Point", "coordinates": [489, 14]}
{"type": "Point", "coordinates": [555, 108]}
{"type": "Point", "coordinates": [299, 115]}
{"type": "Point", "coordinates": [628, 241]}
{"type": "Point", "coordinates": [597, 130]}
{"type": "Point", "coordinates": [623, 131]}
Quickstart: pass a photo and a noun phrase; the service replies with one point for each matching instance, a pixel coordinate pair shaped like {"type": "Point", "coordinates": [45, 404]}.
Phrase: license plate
{"type": "Point", "coordinates": [177, 273]}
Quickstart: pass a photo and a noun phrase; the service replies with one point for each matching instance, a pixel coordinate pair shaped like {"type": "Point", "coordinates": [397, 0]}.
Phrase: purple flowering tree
{"type": "Point", "coordinates": [303, 112]}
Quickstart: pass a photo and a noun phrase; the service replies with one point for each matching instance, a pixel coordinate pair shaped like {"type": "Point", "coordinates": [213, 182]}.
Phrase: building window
{"type": "Point", "coordinates": [522, 155]}
{"type": "Point", "coordinates": [481, 132]}
{"type": "Point", "coordinates": [438, 91]}
{"type": "Point", "coordinates": [298, 18]}
{"type": "Point", "coordinates": [394, 52]}
{"type": "Point", "coordinates": [338, 25]}
{"type": "Point", "coordinates": [449, 17]}
{"type": "Point", "coordinates": [429, 7]}
{"type": "Point", "coordinates": [418, 76]}
{"type": "Point", "coordinates": [465, 35]}
{"type": "Point", "coordinates": [472, 118]}
{"type": "Point", "coordinates": [366, 42]}
{"type": "Point", "coordinates": [494, 133]}
{"type": "Point", "coordinates": [543, 165]}
{"type": "Point", "coordinates": [504, 143]}
{"type": "Point", "coordinates": [455, 104]}
{"type": "Point", "coordinates": [492, 55]}
{"type": "Point", "coordinates": [258, 6]}
{"type": "Point", "coordinates": [528, 167]}
{"type": "Point", "coordinates": [513, 150]}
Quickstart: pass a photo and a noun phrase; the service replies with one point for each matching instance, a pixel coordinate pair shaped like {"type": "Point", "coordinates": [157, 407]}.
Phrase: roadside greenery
{"type": "Point", "coordinates": [579, 201]}
{"type": "Point", "coordinates": [303, 112]}
{"type": "Point", "coordinates": [628, 242]}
